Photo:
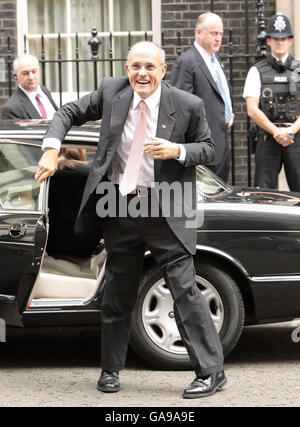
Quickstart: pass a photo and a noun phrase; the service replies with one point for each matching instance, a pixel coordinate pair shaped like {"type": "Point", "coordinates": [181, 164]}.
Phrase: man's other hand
{"type": "Point", "coordinates": [160, 148]}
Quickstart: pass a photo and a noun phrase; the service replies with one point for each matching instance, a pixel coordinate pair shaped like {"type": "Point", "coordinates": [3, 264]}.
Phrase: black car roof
{"type": "Point", "coordinates": [37, 128]}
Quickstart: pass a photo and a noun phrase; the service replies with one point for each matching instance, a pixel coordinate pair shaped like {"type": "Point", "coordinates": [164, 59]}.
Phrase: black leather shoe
{"type": "Point", "coordinates": [109, 382]}
{"type": "Point", "coordinates": [205, 387]}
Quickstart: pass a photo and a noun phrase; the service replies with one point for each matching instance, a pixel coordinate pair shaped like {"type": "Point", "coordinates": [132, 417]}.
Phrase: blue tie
{"type": "Point", "coordinates": [218, 80]}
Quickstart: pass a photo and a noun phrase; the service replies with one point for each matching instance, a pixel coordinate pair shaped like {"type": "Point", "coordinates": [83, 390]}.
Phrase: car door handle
{"type": "Point", "coordinates": [17, 230]}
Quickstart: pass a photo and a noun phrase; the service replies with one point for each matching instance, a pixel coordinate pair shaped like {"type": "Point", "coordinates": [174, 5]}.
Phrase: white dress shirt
{"type": "Point", "coordinates": [252, 88]}
{"type": "Point", "coordinates": [50, 110]}
{"type": "Point", "coordinates": [207, 59]}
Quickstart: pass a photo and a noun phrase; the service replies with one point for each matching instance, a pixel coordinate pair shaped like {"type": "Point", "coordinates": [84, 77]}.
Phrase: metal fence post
{"type": "Point", "coordinates": [94, 43]}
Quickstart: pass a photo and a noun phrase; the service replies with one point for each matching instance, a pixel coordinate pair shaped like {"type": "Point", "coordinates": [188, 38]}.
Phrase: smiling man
{"type": "Point", "coordinates": [272, 92]}
{"type": "Point", "coordinates": [151, 133]}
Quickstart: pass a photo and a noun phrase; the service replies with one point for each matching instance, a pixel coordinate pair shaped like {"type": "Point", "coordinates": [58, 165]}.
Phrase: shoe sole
{"type": "Point", "coordinates": [108, 390]}
{"type": "Point", "coordinates": [209, 393]}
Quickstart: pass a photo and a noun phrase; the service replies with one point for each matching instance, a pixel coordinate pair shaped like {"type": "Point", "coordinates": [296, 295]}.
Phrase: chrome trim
{"type": "Point", "coordinates": [22, 132]}
{"type": "Point", "coordinates": [293, 278]}
{"type": "Point", "coordinates": [251, 207]}
{"type": "Point", "coordinates": [19, 211]}
{"type": "Point", "coordinates": [80, 138]}
{"type": "Point", "coordinates": [7, 140]}
{"type": "Point", "coordinates": [20, 242]}
{"type": "Point", "coordinates": [34, 136]}
{"type": "Point", "coordinates": [56, 302]}
{"type": "Point", "coordinates": [248, 231]}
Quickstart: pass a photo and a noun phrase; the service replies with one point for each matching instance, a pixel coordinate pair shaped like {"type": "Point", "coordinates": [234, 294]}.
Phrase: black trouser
{"type": "Point", "coordinates": [126, 240]}
{"type": "Point", "coordinates": [269, 157]}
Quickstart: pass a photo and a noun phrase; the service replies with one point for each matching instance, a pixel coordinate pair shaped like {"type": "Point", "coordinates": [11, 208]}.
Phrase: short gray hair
{"type": "Point", "coordinates": [24, 57]}
{"type": "Point", "coordinates": [205, 18]}
{"type": "Point", "coordinates": [155, 45]}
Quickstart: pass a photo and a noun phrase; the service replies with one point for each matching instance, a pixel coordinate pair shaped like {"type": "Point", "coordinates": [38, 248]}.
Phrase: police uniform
{"type": "Point", "coordinates": [277, 85]}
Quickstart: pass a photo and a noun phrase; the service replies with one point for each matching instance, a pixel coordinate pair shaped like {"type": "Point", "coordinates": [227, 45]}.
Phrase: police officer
{"type": "Point", "coordinates": [272, 93]}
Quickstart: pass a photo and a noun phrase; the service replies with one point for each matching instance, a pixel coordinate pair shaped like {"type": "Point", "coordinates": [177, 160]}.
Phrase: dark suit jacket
{"type": "Point", "coordinates": [19, 106]}
{"type": "Point", "coordinates": [181, 119]}
{"type": "Point", "coordinates": [190, 73]}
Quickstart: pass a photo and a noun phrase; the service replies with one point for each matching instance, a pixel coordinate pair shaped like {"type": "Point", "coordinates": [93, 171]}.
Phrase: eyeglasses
{"type": "Point", "coordinates": [139, 67]}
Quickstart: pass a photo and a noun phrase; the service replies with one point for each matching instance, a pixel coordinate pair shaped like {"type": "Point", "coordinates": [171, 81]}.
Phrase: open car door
{"type": "Point", "coordinates": [23, 231]}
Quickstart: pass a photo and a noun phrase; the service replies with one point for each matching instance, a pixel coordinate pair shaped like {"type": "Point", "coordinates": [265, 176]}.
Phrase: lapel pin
{"type": "Point", "coordinates": [164, 126]}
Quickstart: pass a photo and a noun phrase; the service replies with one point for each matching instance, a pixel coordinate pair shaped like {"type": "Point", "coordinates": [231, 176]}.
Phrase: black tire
{"type": "Point", "coordinates": [147, 340]}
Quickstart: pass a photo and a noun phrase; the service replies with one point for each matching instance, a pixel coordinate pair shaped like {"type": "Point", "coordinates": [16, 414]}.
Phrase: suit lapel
{"type": "Point", "coordinates": [166, 121]}
{"type": "Point", "coordinates": [48, 94]}
{"type": "Point", "coordinates": [27, 105]}
{"type": "Point", "coordinates": [119, 111]}
{"type": "Point", "coordinates": [205, 70]}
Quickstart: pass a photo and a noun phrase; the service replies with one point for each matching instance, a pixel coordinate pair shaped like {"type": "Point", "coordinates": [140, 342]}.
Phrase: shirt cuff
{"type": "Point", "coordinates": [182, 155]}
{"type": "Point", "coordinates": [51, 143]}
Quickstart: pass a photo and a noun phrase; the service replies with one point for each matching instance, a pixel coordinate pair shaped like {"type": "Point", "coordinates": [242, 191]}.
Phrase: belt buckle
{"type": "Point", "coordinates": [142, 192]}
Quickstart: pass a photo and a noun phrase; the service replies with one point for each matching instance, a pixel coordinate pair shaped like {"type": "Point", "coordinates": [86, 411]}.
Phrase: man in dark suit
{"type": "Point", "coordinates": [30, 101]}
{"type": "Point", "coordinates": [200, 72]}
{"type": "Point", "coordinates": [136, 109]}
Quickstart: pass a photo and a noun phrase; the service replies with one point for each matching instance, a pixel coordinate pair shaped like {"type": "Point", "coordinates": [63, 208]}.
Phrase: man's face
{"type": "Point", "coordinates": [279, 46]}
{"type": "Point", "coordinates": [28, 75]}
{"type": "Point", "coordinates": [145, 69]}
{"type": "Point", "coordinates": [210, 37]}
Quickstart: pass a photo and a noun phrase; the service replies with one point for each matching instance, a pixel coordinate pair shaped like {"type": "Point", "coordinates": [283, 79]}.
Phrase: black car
{"type": "Point", "coordinates": [247, 260]}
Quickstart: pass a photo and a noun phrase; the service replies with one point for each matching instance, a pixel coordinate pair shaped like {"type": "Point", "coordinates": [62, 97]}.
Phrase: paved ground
{"type": "Point", "coordinates": [60, 368]}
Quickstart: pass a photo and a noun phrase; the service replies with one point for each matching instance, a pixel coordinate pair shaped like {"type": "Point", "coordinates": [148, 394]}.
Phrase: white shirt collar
{"type": "Point", "coordinates": [202, 51]}
{"type": "Point", "coordinates": [151, 101]}
{"type": "Point", "coordinates": [283, 60]}
{"type": "Point", "coordinates": [32, 94]}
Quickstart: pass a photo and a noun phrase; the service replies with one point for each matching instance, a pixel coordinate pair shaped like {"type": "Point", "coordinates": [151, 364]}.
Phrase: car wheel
{"type": "Point", "coordinates": [154, 334]}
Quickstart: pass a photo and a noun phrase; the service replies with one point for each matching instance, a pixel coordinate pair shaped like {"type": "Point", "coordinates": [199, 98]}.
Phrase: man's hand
{"type": "Point", "coordinates": [281, 136]}
{"type": "Point", "coordinates": [47, 164]}
{"type": "Point", "coordinates": [231, 121]}
{"type": "Point", "coordinates": [160, 148]}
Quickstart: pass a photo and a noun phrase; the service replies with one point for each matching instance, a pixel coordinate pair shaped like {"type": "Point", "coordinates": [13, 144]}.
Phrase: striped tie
{"type": "Point", "coordinates": [41, 106]}
{"type": "Point", "coordinates": [129, 179]}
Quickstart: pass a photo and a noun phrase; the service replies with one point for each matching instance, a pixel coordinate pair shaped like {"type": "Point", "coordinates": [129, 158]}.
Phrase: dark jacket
{"type": "Point", "coordinates": [190, 73]}
{"type": "Point", "coordinates": [181, 119]}
{"type": "Point", "coordinates": [19, 106]}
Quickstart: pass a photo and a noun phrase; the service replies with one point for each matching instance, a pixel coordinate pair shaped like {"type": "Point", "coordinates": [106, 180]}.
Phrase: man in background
{"type": "Point", "coordinates": [200, 72]}
{"type": "Point", "coordinates": [30, 100]}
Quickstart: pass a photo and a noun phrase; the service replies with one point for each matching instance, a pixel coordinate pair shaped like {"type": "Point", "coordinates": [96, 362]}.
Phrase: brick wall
{"type": "Point", "coordinates": [180, 15]}
{"type": "Point", "coordinates": [8, 27]}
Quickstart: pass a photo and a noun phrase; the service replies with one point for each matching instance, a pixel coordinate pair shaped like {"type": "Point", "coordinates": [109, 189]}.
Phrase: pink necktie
{"type": "Point", "coordinates": [129, 179]}
{"type": "Point", "coordinates": [41, 106]}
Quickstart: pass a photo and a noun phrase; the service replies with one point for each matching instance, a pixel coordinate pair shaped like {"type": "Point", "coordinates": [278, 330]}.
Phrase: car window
{"type": "Point", "coordinates": [18, 188]}
{"type": "Point", "coordinates": [209, 185]}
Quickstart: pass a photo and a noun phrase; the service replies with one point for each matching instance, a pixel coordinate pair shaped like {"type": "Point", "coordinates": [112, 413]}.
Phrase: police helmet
{"type": "Point", "coordinates": [279, 26]}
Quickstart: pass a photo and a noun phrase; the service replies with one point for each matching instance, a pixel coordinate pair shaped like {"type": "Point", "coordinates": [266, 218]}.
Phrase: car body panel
{"type": "Point", "coordinates": [254, 233]}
